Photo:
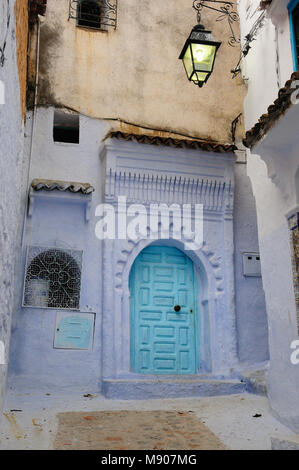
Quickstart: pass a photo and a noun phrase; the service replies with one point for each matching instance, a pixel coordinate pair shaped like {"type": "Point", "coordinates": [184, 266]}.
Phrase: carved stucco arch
{"type": "Point", "coordinates": [209, 274]}
{"type": "Point", "coordinates": [213, 262]}
{"type": "Point", "coordinates": [204, 258]}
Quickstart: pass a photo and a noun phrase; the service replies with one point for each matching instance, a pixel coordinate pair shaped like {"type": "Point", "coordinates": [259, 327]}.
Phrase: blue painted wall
{"type": "Point", "coordinates": [250, 298]}
{"type": "Point", "coordinates": [13, 188]}
{"type": "Point", "coordinates": [61, 224]}
{"type": "Point", "coordinates": [55, 222]}
{"type": "Point", "coordinates": [34, 361]}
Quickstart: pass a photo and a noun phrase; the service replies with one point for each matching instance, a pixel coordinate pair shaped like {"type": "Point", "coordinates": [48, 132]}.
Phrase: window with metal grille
{"type": "Point", "coordinates": [53, 278]}
{"type": "Point", "coordinates": [90, 14]}
{"type": "Point", "coordinates": [95, 14]}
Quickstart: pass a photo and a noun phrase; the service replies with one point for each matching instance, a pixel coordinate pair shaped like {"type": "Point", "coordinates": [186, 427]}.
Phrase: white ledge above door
{"type": "Point", "coordinates": [150, 174]}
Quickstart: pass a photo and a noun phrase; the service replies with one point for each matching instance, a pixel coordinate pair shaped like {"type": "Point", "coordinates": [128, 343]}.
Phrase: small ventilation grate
{"type": "Point", "coordinates": [53, 278]}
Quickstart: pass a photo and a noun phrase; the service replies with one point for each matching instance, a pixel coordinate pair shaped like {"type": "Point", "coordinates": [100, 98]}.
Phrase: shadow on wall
{"type": "Point", "coordinates": [297, 185]}
{"type": "Point", "coordinates": [252, 323]}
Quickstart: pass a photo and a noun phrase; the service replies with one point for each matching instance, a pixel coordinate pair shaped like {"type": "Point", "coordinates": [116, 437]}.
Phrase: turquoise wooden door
{"type": "Point", "coordinates": [162, 312]}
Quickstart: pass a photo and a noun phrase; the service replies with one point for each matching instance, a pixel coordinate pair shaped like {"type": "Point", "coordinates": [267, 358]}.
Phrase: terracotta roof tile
{"type": "Point", "coordinates": [52, 185]}
{"type": "Point", "coordinates": [174, 143]}
{"type": "Point", "coordinates": [275, 112]}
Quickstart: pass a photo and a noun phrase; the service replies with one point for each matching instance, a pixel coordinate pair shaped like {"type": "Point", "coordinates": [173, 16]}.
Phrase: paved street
{"type": "Point", "coordinates": [44, 421]}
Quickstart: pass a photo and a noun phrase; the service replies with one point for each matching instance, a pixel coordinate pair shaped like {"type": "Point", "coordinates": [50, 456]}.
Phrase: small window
{"type": "Point", "coordinates": [90, 14]}
{"type": "Point", "coordinates": [66, 127]}
{"type": "Point", "coordinates": [294, 26]}
{"type": "Point", "coordinates": [53, 278]}
{"type": "Point", "coordinates": [100, 15]}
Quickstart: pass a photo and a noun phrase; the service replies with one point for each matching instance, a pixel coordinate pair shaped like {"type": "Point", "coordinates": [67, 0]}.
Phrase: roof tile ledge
{"type": "Point", "coordinates": [174, 143]}
{"type": "Point", "coordinates": [52, 185]}
{"type": "Point", "coordinates": [275, 112]}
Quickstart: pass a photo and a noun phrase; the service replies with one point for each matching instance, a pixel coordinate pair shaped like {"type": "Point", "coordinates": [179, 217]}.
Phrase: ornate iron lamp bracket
{"type": "Point", "coordinates": [227, 11]}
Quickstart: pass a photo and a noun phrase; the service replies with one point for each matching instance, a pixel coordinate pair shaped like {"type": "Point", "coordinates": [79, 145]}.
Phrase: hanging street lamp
{"type": "Point", "coordinates": [200, 49]}
{"type": "Point", "coordinates": [198, 55]}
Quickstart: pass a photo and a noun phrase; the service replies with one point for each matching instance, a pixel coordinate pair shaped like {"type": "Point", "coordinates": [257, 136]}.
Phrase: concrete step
{"type": "Point", "coordinates": [255, 382]}
{"type": "Point", "coordinates": [145, 389]}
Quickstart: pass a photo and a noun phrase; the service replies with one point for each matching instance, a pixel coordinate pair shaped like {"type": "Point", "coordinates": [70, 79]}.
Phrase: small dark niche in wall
{"type": "Point", "coordinates": [66, 127]}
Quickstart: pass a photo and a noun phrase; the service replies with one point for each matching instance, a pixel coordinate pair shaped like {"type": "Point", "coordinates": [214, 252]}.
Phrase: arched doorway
{"type": "Point", "coordinates": [163, 312]}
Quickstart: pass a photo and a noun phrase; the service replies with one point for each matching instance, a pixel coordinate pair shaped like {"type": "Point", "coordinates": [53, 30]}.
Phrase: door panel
{"type": "Point", "coordinates": [163, 339]}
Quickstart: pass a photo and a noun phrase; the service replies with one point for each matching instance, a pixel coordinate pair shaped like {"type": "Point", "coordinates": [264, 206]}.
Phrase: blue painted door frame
{"type": "Point", "coordinates": [291, 6]}
{"type": "Point", "coordinates": [163, 340]}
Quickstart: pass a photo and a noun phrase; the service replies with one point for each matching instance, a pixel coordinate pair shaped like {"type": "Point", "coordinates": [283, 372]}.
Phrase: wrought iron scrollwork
{"type": "Point", "coordinates": [198, 6]}
{"type": "Point", "coordinates": [226, 10]}
{"type": "Point", "coordinates": [249, 38]}
{"type": "Point", "coordinates": [53, 278]}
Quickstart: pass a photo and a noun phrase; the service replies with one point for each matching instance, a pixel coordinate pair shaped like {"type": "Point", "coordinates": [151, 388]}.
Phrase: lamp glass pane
{"type": "Point", "coordinates": [203, 55]}
{"type": "Point", "coordinates": [188, 63]}
{"type": "Point", "coordinates": [199, 77]}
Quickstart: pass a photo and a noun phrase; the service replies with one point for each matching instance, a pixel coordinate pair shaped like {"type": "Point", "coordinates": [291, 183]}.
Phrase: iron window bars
{"type": "Point", "coordinates": [53, 278]}
{"type": "Point", "coordinates": [94, 14]}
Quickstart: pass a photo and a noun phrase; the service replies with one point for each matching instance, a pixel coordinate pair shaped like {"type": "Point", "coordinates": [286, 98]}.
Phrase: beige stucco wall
{"type": "Point", "coordinates": [133, 74]}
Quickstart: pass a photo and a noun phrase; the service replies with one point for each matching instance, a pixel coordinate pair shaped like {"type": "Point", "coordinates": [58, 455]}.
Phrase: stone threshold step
{"type": "Point", "coordinates": [145, 389]}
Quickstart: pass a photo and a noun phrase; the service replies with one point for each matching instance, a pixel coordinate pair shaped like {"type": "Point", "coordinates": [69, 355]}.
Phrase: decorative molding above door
{"type": "Point", "coordinates": [148, 174]}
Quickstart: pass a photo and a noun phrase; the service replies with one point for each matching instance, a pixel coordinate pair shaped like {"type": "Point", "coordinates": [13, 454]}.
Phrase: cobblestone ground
{"type": "Point", "coordinates": [134, 430]}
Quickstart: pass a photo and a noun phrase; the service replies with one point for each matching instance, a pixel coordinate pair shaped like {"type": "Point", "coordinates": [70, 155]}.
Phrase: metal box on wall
{"type": "Point", "coordinates": [74, 330]}
{"type": "Point", "coordinates": [252, 264]}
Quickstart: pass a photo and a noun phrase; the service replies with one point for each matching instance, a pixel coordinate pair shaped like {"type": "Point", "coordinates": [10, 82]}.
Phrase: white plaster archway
{"type": "Point", "coordinates": [119, 257]}
{"type": "Point", "coordinates": [146, 174]}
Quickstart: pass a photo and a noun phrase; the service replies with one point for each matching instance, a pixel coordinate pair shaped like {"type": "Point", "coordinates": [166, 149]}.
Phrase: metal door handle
{"type": "Point", "coordinates": [177, 308]}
